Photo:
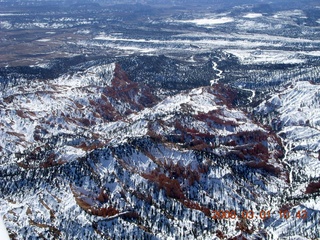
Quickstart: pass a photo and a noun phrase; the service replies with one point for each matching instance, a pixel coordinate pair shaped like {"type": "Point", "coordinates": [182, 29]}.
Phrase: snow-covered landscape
{"type": "Point", "coordinates": [159, 120]}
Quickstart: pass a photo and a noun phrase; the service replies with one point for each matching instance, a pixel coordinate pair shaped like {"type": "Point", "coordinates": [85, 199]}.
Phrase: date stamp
{"type": "Point", "coordinates": [262, 214]}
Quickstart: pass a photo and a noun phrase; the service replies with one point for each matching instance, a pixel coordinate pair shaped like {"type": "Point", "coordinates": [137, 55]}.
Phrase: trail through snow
{"type": "Point", "coordinates": [253, 94]}
{"type": "Point", "coordinates": [287, 147]}
{"type": "Point", "coordinates": [219, 74]}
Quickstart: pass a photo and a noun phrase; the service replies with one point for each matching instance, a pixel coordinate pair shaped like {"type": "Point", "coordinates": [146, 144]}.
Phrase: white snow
{"type": "Point", "coordinates": [12, 14]}
{"type": "Point", "coordinates": [85, 31]}
{"type": "Point", "coordinates": [289, 14]}
{"type": "Point", "coordinates": [44, 40]}
{"type": "Point", "coordinates": [218, 75]}
{"type": "Point", "coordinates": [209, 21]}
{"type": "Point", "coordinates": [299, 104]}
{"type": "Point", "coordinates": [41, 65]}
{"type": "Point", "coordinates": [204, 102]}
{"type": "Point", "coordinates": [136, 49]}
{"type": "Point", "coordinates": [311, 53]}
{"type": "Point", "coordinates": [3, 231]}
{"type": "Point", "coordinates": [249, 56]}
{"type": "Point", "coordinates": [252, 15]}
{"type": "Point", "coordinates": [40, 101]}
{"type": "Point", "coordinates": [6, 24]}
{"type": "Point", "coordinates": [298, 110]}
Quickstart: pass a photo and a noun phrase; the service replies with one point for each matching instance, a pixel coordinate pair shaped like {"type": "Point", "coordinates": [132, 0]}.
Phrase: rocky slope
{"type": "Point", "coordinates": [93, 155]}
{"type": "Point", "coordinates": [295, 115]}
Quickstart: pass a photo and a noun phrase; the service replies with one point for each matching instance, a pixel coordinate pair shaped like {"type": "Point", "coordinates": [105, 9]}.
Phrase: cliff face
{"type": "Point", "coordinates": [95, 155]}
